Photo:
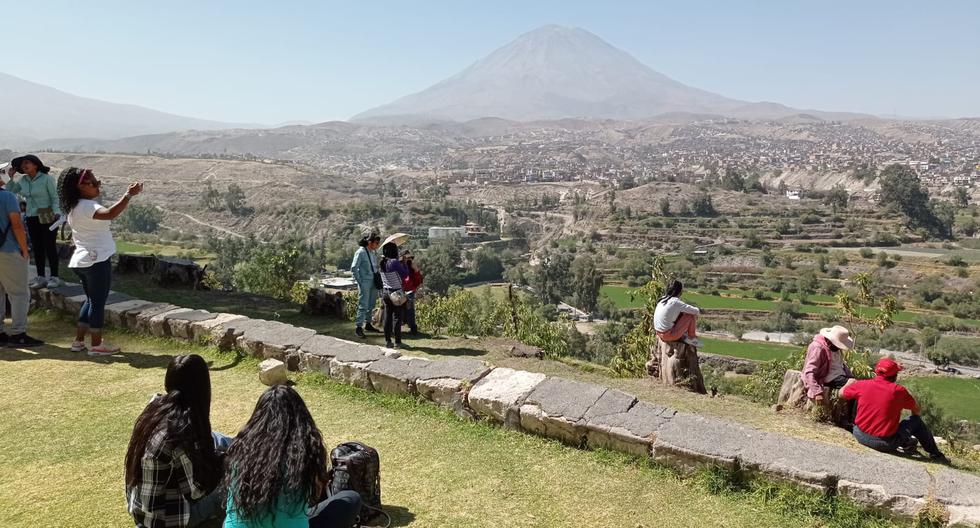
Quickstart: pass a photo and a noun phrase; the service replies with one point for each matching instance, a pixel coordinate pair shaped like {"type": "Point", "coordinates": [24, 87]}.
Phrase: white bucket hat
{"type": "Point", "coordinates": [839, 336]}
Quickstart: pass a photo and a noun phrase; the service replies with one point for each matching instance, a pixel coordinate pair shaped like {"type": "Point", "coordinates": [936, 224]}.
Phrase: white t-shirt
{"type": "Point", "coordinates": [667, 312]}
{"type": "Point", "coordinates": [93, 240]}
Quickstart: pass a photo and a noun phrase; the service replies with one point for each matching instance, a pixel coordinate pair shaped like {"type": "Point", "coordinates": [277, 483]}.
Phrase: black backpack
{"type": "Point", "coordinates": [357, 467]}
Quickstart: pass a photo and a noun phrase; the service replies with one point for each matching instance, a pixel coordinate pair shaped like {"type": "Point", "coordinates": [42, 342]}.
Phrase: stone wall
{"type": "Point", "coordinates": [581, 414]}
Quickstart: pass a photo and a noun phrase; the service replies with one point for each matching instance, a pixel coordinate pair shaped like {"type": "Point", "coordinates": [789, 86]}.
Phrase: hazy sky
{"type": "Point", "coordinates": [270, 62]}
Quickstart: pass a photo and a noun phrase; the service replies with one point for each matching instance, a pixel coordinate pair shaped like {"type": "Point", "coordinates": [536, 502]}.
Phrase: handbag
{"type": "Point", "coordinates": [45, 215]}
{"type": "Point", "coordinates": [398, 297]}
{"type": "Point", "coordinates": [376, 275]}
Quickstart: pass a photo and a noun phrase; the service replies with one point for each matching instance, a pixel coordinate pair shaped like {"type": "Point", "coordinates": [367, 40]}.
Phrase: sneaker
{"type": "Point", "coordinates": [940, 459]}
{"type": "Point", "coordinates": [38, 282]}
{"type": "Point", "coordinates": [359, 332]}
{"type": "Point", "coordinates": [402, 346]}
{"type": "Point", "coordinates": [370, 328]}
{"type": "Point", "coordinates": [389, 344]}
{"type": "Point", "coordinates": [78, 346]}
{"type": "Point", "coordinates": [693, 341]}
{"type": "Point", "coordinates": [23, 341]}
{"type": "Point", "coordinates": [105, 349]}
{"type": "Point", "coordinates": [55, 282]}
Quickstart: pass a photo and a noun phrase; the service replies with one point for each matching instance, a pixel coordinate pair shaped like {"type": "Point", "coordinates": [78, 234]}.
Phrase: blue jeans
{"type": "Point", "coordinates": [367, 297]}
{"type": "Point", "coordinates": [339, 511]}
{"type": "Point", "coordinates": [96, 280]}
{"type": "Point", "coordinates": [213, 504]}
{"type": "Point", "coordinates": [909, 430]}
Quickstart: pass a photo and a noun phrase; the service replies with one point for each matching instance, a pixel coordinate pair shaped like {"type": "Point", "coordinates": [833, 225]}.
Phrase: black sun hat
{"type": "Point", "coordinates": [41, 167]}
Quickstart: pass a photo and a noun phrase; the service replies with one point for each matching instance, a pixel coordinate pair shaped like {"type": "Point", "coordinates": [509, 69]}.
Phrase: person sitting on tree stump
{"type": "Point", "coordinates": [674, 319]}
{"type": "Point", "coordinates": [824, 366]}
{"type": "Point", "coordinates": [880, 402]}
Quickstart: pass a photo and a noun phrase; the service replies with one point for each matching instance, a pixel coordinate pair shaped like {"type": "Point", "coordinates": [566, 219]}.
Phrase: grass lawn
{"type": "Point", "coordinates": [67, 420]}
{"type": "Point", "coordinates": [747, 349]}
{"type": "Point", "coordinates": [959, 396]}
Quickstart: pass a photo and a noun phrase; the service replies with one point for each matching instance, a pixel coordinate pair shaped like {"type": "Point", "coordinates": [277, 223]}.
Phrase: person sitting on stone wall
{"type": "Point", "coordinates": [174, 460]}
{"type": "Point", "coordinates": [880, 402]}
{"type": "Point", "coordinates": [277, 474]}
{"type": "Point", "coordinates": [675, 320]}
{"type": "Point", "coordinates": [364, 269]}
{"type": "Point", "coordinates": [824, 366]}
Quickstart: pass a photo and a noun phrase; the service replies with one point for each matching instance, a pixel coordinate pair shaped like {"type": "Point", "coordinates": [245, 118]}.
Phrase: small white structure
{"type": "Point", "coordinates": [793, 195]}
{"type": "Point", "coordinates": [436, 233]}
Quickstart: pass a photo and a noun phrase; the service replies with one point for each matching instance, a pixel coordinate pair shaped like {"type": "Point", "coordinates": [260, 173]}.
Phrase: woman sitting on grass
{"type": "Point", "coordinates": [277, 470]}
{"type": "Point", "coordinates": [94, 248]}
{"type": "Point", "coordinates": [173, 465]}
{"type": "Point", "coordinates": [674, 319]}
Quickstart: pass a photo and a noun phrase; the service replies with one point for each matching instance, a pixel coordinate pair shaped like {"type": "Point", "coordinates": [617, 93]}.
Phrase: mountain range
{"type": "Point", "coordinates": [555, 72]}
{"type": "Point", "coordinates": [31, 112]}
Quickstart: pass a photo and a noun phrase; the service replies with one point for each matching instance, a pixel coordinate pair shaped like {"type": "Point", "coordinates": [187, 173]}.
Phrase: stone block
{"type": "Point", "coordinates": [180, 323]}
{"type": "Point", "coordinates": [351, 372]}
{"type": "Point", "coordinates": [225, 335]}
{"type": "Point", "coordinates": [115, 313]}
{"type": "Point", "coordinates": [72, 305]}
{"type": "Point", "coordinates": [210, 331]}
{"type": "Point", "coordinates": [688, 442]}
{"type": "Point", "coordinates": [272, 372]}
{"type": "Point", "coordinates": [556, 408]}
{"type": "Point", "coordinates": [396, 376]}
{"type": "Point", "coordinates": [159, 325]}
{"type": "Point", "coordinates": [57, 296]}
{"type": "Point", "coordinates": [499, 395]}
{"type": "Point", "coordinates": [272, 339]}
{"type": "Point", "coordinates": [139, 319]}
{"type": "Point", "coordinates": [632, 431]}
{"type": "Point", "coordinates": [960, 493]}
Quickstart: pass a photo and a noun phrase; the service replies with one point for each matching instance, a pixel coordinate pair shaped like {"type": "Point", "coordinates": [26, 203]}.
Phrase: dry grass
{"type": "Point", "coordinates": [66, 422]}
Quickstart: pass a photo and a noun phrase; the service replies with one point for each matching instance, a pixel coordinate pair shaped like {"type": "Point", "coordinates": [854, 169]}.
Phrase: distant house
{"type": "Point", "coordinates": [794, 195]}
{"type": "Point", "coordinates": [436, 233]}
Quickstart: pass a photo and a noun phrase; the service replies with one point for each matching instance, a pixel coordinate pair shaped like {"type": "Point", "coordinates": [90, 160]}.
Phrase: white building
{"type": "Point", "coordinates": [446, 232]}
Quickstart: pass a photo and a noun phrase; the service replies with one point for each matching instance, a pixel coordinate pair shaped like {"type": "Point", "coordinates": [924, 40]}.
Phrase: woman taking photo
{"type": "Point", "coordinates": [173, 465]}
{"type": "Point", "coordinates": [94, 247]}
{"type": "Point", "coordinates": [393, 274]}
{"type": "Point", "coordinates": [277, 470]}
{"type": "Point", "coordinates": [38, 188]}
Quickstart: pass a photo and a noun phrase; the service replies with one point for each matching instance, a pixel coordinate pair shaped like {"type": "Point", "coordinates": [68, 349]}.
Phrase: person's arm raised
{"type": "Point", "coordinates": [117, 208]}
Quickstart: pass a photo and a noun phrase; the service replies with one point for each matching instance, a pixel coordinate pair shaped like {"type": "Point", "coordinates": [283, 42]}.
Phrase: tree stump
{"type": "Point", "coordinates": [324, 302]}
{"type": "Point", "coordinates": [679, 365]}
{"type": "Point", "coordinates": [170, 272]}
{"type": "Point", "coordinates": [141, 264]}
{"type": "Point", "coordinates": [792, 394]}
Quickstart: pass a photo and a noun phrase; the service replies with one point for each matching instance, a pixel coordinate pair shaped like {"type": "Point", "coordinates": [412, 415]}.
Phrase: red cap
{"type": "Point", "coordinates": [887, 367]}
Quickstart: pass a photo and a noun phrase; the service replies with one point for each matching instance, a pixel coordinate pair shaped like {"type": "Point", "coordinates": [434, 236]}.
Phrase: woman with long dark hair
{"type": "Point", "coordinates": [38, 188]}
{"type": "Point", "coordinates": [674, 319]}
{"type": "Point", "coordinates": [94, 247]}
{"type": "Point", "coordinates": [277, 470]}
{"type": "Point", "coordinates": [393, 274]}
{"type": "Point", "coordinates": [173, 464]}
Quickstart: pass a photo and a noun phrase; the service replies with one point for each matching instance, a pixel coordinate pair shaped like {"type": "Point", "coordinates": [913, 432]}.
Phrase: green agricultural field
{"type": "Point", "coordinates": [747, 349]}
{"type": "Point", "coordinates": [959, 396]}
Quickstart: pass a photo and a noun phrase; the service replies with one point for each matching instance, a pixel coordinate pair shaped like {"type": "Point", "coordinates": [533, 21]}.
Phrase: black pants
{"type": "Point", "coordinates": [394, 316]}
{"type": "Point", "coordinates": [340, 511]}
{"type": "Point", "coordinates": [909, 430]}
{"type": "Point", "coordinates": [44, 242]}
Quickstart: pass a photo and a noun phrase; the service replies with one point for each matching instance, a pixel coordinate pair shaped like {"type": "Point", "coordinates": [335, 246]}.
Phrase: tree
{"type": "Point", "coordinates": [440, 264]}
{"type": "Point", "coordinates": [901, 189]}
{"type": "Point", "coordinates": [272, 270]}
{"type": "Point", "coordinates": [140, 219]}
{"type": "Point", "coordinates": [211, 198]}
{"type": "Point", "coordinates": [486, 264]}
{"type": "Point", "coordinates": [701, 205]}
{"type": "Point", "coordinates": [733, 180]}
{"type": "Point", "coordinates": [837, 198]}
{"type": "Point", "coordinates": [960, 197]}
{"type": "Point", "coordinates": [235, 199]}
{"type": "Point", "coordinates": [586, 283]}
{"type": "Point", "coordinates": [664, 206]}
{"type": "Point", "coordinates": [550, 280]}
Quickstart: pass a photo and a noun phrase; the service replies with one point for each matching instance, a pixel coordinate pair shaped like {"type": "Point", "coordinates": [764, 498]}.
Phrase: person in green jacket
{"type": "Point", "coordinates": [363, 269]}
{"type": "Point", "coordinates": [41, 192]}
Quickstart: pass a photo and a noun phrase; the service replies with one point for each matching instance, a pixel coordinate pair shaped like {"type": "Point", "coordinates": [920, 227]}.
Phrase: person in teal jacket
{"type": "Point", "coordinates": [363, 268]}
{"type": "Point", "coordinates": [277, 474]}
{"type": "Point", "coordinates": [41, 192]}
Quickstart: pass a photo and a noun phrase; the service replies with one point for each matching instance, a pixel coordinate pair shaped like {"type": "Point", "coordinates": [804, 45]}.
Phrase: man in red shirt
{"type": "Point", "coordinates": [880, 402]}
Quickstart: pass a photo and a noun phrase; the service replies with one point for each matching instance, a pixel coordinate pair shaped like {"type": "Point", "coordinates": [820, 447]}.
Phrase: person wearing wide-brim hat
{"type": "Point", "coordinates": [41, 192]}
{"type": "Point", "coordinates": [879, 424]}
{"type": "Point", "coordinates": [824, 366]}
{"type": "Point", "coordinates": [364, 270]}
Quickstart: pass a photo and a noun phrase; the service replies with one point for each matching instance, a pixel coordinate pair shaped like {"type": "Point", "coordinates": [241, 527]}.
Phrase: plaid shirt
{"type": "Point", "coordinates": [162, 497]}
